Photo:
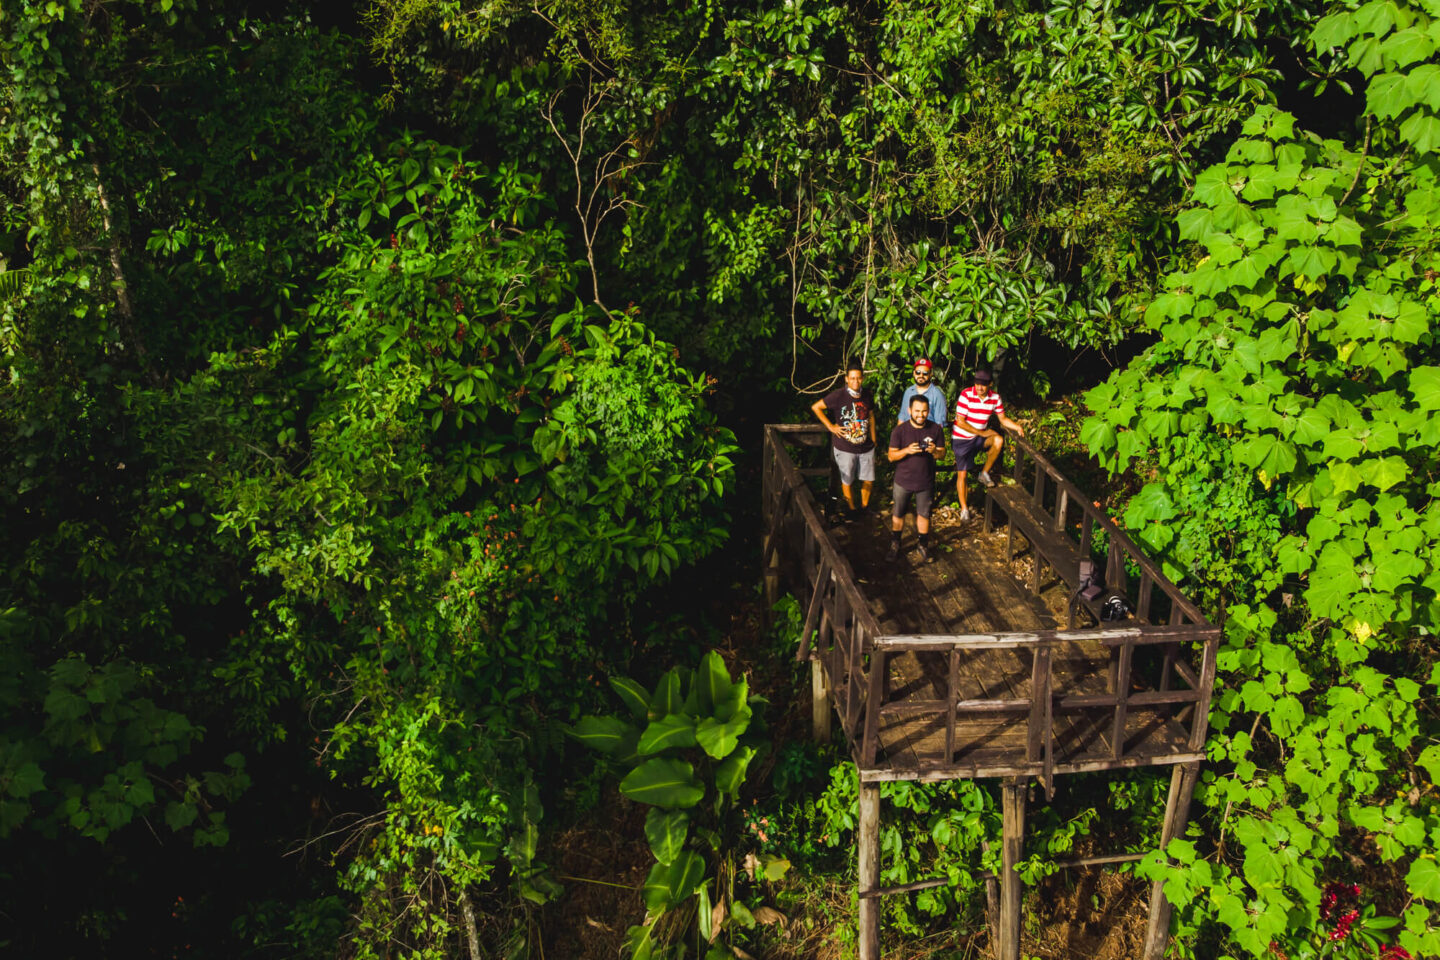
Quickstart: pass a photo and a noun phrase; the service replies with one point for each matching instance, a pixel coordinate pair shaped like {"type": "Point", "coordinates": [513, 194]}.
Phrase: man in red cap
{"type": "Point", "coordinates": [924, 388]}
{"type": "Point", "coordinates": [971, 436]}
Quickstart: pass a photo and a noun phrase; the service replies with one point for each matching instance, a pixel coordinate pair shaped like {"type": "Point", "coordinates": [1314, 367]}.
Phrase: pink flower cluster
{"type": "Point", "coordinates": [1394, 952]}
{"type": "Point", "coordinates": [1333, 894]}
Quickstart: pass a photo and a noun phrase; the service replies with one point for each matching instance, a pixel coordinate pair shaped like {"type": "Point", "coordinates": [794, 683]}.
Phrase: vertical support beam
{"type": "Point", "coordinates": [875, 696]}
{"type": "Point", "coordinates": [989, 513]}
{"type": "Point", "coordinates": [1012, 802]}
{"type": "Point", "coordinates": [952, 694]}
{"type": "Point", "coordinates": [1122, 698]}
{"type": "Point", "coordinates": [1142, 605]}
{"type": "Point", "coordinates": [819, 703]}
{"type": "Point", "coordinates": [992, 905]}
{"type": "Point", "coordinates": [1200, 722]}
{"type": "Point", "coordinates": [1177, 813]}
{"type": "Point", "coordinates": [1062, 506]}
{"type": "Point", "coordinates": [868, 834]}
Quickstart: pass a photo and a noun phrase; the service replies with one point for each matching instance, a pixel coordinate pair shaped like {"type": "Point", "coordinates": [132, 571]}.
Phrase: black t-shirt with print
{"type": "Point", "coordinates": [852, 415]}
{"type": "Point", "coordinates": [916, 472]}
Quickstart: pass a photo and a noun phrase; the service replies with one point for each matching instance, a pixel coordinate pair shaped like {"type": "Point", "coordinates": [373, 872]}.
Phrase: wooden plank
{"type": "Point", "coordinates": [1122, 692]}
{"type": "Point", "coordinates": [1011, 851]}
{"type": "Point", "coordinates": [868, 837]}
{"type": "Point", "coordinates": [990, 771]}
{"type": "Point", "coordinates": [1110, 636]}
{"type": "Point", "coordinates": [986, 875]}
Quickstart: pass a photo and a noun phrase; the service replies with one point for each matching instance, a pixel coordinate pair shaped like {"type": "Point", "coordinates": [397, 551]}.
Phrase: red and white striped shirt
{"type": "Point", "coordinates": [972, 412]}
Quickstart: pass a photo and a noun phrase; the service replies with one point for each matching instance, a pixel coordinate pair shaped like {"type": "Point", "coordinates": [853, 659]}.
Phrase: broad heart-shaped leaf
{"type": "Point", "coordinates": [670, 883]}
{"type": "Point", "coordinates": [1423, 878]}
{"type": "Point", "coordinates": [718, 738]}
{"type": "Point", "coordinates": [663, 782]}
{"type": "Point", "coordinates": [1388, 472]}
{"type": "Point", "coordinates": [730, 774]}
{"type": "Point", "coordinates": [666, 830]}
{"type": "Point", "coordinates": [667, 699]}
{"type": "Point", "coordinates": [712, 682]}
{"type": "Point", "coordinates": [676, 730]}
{"type": "Point", "coordinates": [1425, 387]}
{"type": "Point", "coordinates": [606, 734]}
{"type": "Point", "coordinates": [637, 701]}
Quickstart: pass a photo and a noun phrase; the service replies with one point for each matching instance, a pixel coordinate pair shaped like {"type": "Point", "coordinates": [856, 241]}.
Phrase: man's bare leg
{"type": "Point", "coordinates": [865, 487]}
{"type": "Point", "coordinates": [922, 524]}
{"type": "Point", "coordinates": [993, 443]}
{"type": "Point", "coordinates": [848, 492]}
{"type": "Point", "coordinates": [960, 489]}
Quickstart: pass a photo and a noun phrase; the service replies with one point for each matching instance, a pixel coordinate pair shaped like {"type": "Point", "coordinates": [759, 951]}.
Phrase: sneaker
{"type": "Point", "coordinates": [924, 552]}
{"type": "Point", "coordinates": [984, 477]}
{"type": "Point", "coordinates": [894, 552]}
{"type": "Point", "coordinates": [965, 514]}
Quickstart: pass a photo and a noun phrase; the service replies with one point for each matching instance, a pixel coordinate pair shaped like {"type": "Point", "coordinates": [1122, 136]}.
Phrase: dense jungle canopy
{"type": "Point", "coordinates": [380, 386]}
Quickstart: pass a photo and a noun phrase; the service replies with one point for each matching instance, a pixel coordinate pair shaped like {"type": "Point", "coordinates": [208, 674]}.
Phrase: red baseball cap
{"type": "Point", "coordinates": [923, 362]}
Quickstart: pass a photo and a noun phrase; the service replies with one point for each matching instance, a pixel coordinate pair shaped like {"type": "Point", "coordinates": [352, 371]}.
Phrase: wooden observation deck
{"type": "Point", "coordinates": [956, 669]}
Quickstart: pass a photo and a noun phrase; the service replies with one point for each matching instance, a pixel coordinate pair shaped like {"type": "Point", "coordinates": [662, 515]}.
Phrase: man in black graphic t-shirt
{"type": "Point", "coordinates": [914, 445]}
{"type": "Point", "coordinates": [849, 414]}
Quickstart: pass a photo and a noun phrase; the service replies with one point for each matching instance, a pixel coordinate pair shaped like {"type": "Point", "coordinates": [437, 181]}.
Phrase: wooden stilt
{"type": "Point", "coordinates": [992, 905]}
{"type": "Point", "coordinates": [819, 703]}
{"type": "Point", "coordinates": [1013, 840]}
{"type": "Point", "coordinates": [868, 832]}
{"type": "Point", "coordinates": [1177, 813]}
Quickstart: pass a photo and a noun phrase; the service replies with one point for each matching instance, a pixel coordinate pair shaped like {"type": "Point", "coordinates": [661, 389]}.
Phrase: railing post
{"type": "Point", "coordinates": [879, 689]}
{"type": "Point", "coordinates": [1122, 692]}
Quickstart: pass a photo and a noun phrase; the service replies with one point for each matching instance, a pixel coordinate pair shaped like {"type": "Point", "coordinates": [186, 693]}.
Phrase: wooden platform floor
{"type": "Point", "coordinates": [969, 588]}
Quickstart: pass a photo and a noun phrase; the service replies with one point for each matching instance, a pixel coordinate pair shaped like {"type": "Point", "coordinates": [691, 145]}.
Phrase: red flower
{"type": "Point", "coordinates": [1394, 952]}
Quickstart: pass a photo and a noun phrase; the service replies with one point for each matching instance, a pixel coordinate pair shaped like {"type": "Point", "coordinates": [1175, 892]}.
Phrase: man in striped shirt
{"type": "Point", "coordinates": [970, 436]}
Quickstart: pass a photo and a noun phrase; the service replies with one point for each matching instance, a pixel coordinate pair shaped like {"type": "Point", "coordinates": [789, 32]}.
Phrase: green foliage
{"type": "Point", "coordinates": [1299, 344]}
{"type": "Point", "coordinates": [700, 732]}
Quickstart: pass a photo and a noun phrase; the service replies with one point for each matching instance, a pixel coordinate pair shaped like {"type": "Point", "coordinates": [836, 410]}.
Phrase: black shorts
{"type": "Point", "coordinates": [923, 500]}
{"type": "Point", "coordinates": [969, 451]}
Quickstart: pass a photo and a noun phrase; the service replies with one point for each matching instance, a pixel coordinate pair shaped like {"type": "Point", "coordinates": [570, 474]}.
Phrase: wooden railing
{"type": "Point", "coordinates": [1056, 502]}
{"type": "Point", "coordinates": [839, 628]}
{"type": "Point", "coordinates": [1186, 703]}
{"type": "Point", "coordinates": [841, 632]}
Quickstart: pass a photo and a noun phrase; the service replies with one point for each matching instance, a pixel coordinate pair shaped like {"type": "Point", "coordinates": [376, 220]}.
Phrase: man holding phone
{"type": "Point", "coordinates": [914, 445]}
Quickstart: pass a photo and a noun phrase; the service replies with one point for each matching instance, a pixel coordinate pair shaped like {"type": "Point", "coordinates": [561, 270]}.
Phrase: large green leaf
{"type": "Point", "coordinates": [667, 699]}
{"type": "Point", "coordinates": [712, 682]}
{"type": "Point", "coordinates": [676, 730]}
{"type": "Point", "coordinates": [637, 701]}
{"type": "Point", "coordinates": [606, 734]}
{"type": "Point", "coordinates": [666, 830]}
{"type": "Point", "coordinates": [669, 884]}
{"type": "Point", "coordinates": [663, 782]}
{"type": "Point", "coordinates": [718, 738]}
{"type": "Point", "coordinates": [730, 774]}
{"type": "Point", "coordinates": [1423, 878]}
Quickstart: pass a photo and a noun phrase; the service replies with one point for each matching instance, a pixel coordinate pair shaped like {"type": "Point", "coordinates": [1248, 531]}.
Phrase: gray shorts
{"type": "Point", "coordinates": [923, 500]}
{"type": "Point", "coordinates": [852, 463]}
